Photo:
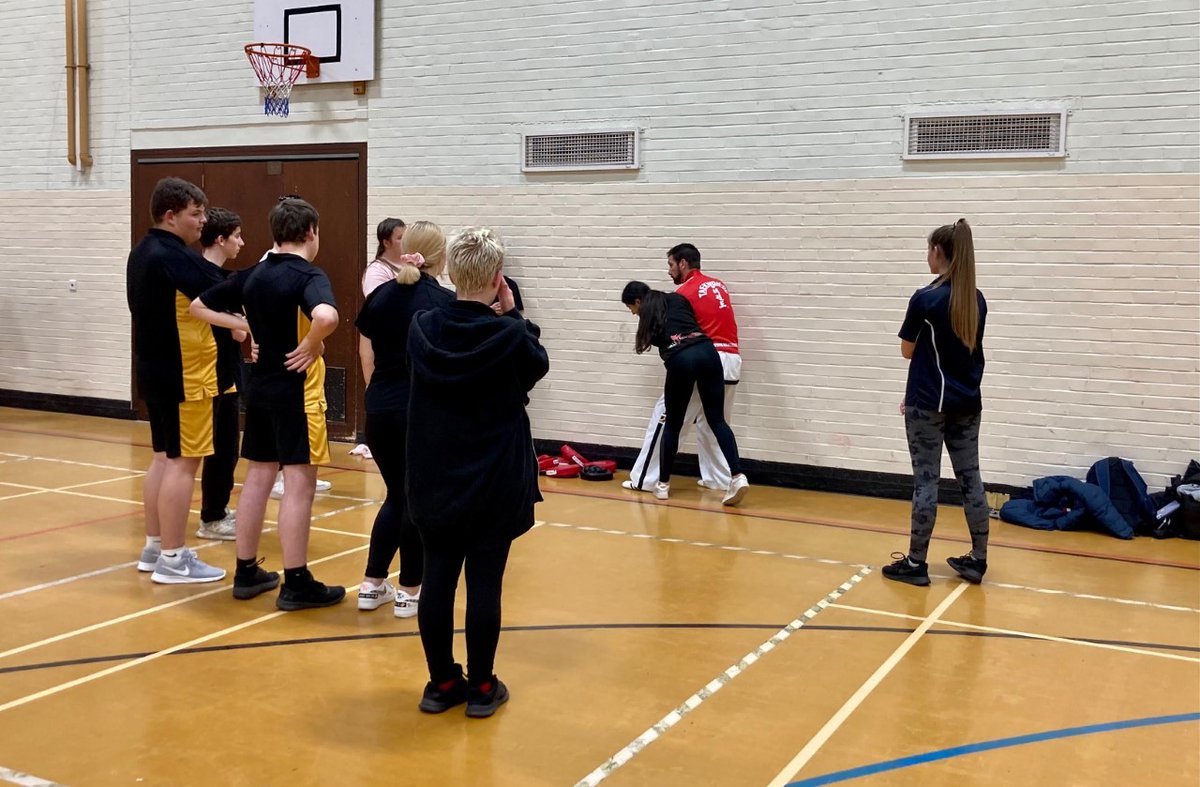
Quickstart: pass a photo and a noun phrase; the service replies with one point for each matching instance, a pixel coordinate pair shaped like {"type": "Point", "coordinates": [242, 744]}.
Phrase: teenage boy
{"type": "Point", "coordinates": [176, 375]}
{"type": "Point", "coordinates": [290, 310]}
{"type": "Point", "coordinates": [472, 474]}
{"type": "Point", "coordinates": [221, 240]}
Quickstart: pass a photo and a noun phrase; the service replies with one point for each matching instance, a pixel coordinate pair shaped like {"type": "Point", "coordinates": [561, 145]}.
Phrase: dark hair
{"type": "Point", "coordinates": [652, 312]}
{"type": "Point", "coordinates": [958, 247]}
{"type": "Point", "coordinates": [221, 224]}
{"type": "Point", "coordinates": [686, 252]}
{"type": "Point", "coordinates": [384, 232]}
{"type": "Point", "coordinates": [291, 219]}
{"type": "Point", "coordinates": [174, 194]}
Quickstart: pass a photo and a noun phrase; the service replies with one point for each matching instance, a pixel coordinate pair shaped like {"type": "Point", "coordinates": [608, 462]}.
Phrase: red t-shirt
{"type": "Point", "coordinates": [714, 310]}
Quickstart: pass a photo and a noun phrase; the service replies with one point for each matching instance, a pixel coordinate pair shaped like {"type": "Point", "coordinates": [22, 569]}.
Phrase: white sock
{"type": "Point", "coordinates": [154, 541]}
{"type": "Point", "coordinates": [172, 555]}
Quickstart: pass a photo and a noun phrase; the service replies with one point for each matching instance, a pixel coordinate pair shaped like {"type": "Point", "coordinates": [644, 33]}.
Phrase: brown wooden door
{"type": "Point", "coordinates": [249, 181]}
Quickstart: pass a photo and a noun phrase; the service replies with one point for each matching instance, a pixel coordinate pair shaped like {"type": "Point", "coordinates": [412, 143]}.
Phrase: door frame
{"type": "Point", "coordinates": [235, 153]}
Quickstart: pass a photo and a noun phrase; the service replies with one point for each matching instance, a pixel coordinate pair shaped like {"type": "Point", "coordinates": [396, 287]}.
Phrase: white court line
{"type": "Point", "coordinates": [41, 490]}
{"type": "Point", "coordinates": [73, 462]}
{"type": "Point", "coordinates": [24, 779]}
{"type": "Point", "coordinates": [712, 687]}
{"type": "Point", "coordinates": [1027, 634]}
{"type": "Point", "coordinates": [1048, 591]}
{"type": "Point", "coordinates": [843, 713]}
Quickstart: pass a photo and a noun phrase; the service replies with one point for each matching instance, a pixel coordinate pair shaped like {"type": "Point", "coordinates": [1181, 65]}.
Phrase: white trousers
{"type": "Point", "coordinates": [714, 470]}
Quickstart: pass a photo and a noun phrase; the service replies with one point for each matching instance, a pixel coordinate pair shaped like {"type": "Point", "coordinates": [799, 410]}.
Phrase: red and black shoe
{"type": "Point", "coordinates": [441, 697]}
{"type": "Point", "coordinates": [483, 700]}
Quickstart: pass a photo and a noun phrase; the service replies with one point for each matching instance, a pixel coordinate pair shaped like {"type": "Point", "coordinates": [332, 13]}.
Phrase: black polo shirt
{"type": "Point", "coordinates": [943, 375]}
{"type": "Point", "coordinates": [176, 353]}
{"type": "Point", "coordinates": [680, 328]}
{"type": "Point", "coordinates": [385, 319]}
{"type": "Point", "coordinates": [278, 296]}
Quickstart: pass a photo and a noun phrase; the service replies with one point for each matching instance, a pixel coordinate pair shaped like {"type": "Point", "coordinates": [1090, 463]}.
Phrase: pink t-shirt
{"type": "Point", "coordinates": [377, 273]}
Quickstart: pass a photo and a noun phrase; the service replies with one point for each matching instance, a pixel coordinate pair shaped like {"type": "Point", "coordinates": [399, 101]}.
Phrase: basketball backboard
{"type": "Point", "coordinates": [340, 33]}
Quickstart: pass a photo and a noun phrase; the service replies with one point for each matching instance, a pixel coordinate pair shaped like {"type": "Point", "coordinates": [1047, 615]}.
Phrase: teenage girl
{"type": "Point", "coordinates": [942, 336]}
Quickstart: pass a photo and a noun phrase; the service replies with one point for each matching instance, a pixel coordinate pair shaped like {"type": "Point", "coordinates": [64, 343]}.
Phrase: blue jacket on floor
{"type": "Point", "coordinates": [1064, 503]}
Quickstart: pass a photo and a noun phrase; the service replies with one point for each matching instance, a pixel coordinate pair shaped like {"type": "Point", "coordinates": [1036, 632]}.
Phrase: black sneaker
{"type": "Point", "coordinates": [484, 699]}
{"type": "Point", "coordinates": [904, 571]}
{"type": "Point", "coordinates": [308, 593]}
{"type": "Point", "coordinates": [250, 584]}
{"type": "Point", "coordinates": [968, 567]}
{"type": "Point", "coordinates": [441, 697]}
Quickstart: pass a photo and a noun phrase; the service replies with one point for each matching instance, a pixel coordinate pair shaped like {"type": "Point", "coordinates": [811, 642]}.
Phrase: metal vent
{"type": "Point", "coordinates": [986, 135]}
{"type": "Point", "coordinates": [580, 151]}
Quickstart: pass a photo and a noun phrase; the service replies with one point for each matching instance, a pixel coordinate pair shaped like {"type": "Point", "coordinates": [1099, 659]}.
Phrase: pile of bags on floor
{"type": "Point", "coordinates": [1114, 499]}
{"type": "Point", "coordinates": [571, 464]}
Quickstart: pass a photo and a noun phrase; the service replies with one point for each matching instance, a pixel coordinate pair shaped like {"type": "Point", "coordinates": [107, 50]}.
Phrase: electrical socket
{"type": "Point", "coordinates": [72, 286]}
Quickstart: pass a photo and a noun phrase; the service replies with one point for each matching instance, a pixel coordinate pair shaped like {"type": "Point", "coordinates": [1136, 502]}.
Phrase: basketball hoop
{"type": "Point", "coordinates": [277, 67]}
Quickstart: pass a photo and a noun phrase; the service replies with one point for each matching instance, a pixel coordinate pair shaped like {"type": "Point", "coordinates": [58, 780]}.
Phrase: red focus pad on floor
{"type": "Point", "coordinates": [547, 462]}
{"type": "Point", "coordinates": [564, 471]}
{"type": "Point", "coordinates": [571, 455]}
{"type": "Point", "coordinates": [604, 464]}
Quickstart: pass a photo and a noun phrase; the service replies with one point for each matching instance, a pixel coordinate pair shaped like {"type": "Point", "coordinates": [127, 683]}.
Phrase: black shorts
{"type": "Point", "coordinates": [182, 429]}
{"type": "Point", "coordinates": [286, 438]}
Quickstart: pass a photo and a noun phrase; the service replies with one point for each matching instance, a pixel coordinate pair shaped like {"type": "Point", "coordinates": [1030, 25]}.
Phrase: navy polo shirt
{"type": "Point", "coordinates": [943, 376]}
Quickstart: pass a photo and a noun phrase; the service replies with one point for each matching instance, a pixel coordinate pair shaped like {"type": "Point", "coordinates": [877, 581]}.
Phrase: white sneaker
{"type": "Point", "coordinates": [628, 484]}
{"type": "Point", "coordinates": [710, 485]}
{"type": "Point", "coordinates": [224, 529]}
{"type": "Point", "coordinates": [406, 605]}
{"type": "Point", "coordinates": [375, 596]}
{"type": "Point", "coordinates": [737, 490]}
{"type": "Point", "coordinates": [277, 490]}
{"type": "Point", "coordinates": [662, 491]}
{"type": "Point", "coordinates": [187, 569]}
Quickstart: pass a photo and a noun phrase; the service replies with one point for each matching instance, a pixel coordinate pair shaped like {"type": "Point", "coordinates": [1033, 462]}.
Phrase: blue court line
{"type": "Point", "coordinates": [1003, 743]}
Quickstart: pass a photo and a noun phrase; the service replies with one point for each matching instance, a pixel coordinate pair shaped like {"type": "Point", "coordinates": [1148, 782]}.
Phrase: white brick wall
{"type": "Point", "coordinates": [772, 138]}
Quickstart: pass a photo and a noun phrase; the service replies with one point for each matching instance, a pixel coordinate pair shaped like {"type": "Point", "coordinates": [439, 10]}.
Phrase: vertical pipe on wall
{"type": "Point", "coordinates": [70, 50]}
{"type": "Point", "coordinates": [85, 71]}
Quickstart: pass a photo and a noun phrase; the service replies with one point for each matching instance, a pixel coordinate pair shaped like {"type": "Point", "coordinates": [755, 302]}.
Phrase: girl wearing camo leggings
{"type": "Point", "coordinates": [942, 336]}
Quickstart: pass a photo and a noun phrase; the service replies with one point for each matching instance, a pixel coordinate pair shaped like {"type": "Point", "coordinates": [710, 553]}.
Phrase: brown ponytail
{"type": "Point", "coordinates": [964, 303]}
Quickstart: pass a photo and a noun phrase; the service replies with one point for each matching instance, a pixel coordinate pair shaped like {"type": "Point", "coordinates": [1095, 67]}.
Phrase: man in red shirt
{"type": "Point", "coordinates": [714, 311]}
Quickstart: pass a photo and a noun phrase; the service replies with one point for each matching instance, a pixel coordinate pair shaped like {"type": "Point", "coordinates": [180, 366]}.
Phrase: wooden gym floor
{"type": "Point", "coordinates": [645, 644]}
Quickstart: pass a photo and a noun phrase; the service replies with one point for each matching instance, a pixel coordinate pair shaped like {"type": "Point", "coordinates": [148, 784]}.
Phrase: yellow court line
{"type": "Point", "coordinates": [826, 732]}
{"type": "Point", "coordinates": [1026, 634]}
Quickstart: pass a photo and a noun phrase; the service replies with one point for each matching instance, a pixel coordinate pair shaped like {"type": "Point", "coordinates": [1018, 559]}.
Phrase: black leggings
{"type": "Point", "coordinates": [216, 480]}
{"type": "Point", "coordinates": [435, 614]}
{"type": "Point", "coordinates": [394, 528]}
{"type": "Point", "coordinates": [695, 367]}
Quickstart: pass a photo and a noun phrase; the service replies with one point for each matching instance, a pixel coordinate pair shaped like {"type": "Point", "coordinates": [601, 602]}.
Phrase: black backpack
{"type": "Point", "coordinates": [1126, 489]}
{"type": "Point", "coordinates": [1185, 522]}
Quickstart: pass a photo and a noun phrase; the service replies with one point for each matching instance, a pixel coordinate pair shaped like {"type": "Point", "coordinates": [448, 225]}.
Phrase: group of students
{"type": "Point", "coordinates": [473, 360]}
{"type": "Point", "coordinates": [449, 375]}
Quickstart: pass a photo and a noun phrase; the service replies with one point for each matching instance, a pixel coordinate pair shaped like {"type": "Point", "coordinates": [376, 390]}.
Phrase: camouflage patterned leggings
{"type": "Point", "coordinates": [926, 432]}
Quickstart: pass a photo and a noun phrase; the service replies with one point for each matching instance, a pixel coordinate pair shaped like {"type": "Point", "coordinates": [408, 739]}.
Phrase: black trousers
{"type": "Point", "coordinates": [394, 529]}
{"type": "Point", "coordinates": [697, 366]}
{"type": "Point", "coordinates": [485, 581]}
{"type": "Point", "coordinates": [216, 479]}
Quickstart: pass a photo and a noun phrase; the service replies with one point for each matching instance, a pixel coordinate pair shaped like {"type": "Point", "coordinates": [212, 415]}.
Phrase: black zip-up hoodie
{"type": "Point", "coordinates": [472, 471]}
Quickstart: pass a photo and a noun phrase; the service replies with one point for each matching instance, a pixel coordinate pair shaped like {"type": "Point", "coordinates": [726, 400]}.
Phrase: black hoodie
{"type": "Point", "coordinates": [472, 471]}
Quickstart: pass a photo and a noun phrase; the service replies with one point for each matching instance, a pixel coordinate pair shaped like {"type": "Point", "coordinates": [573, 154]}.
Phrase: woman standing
{"type": "Point", "coordinates": [942, 336]}
{"type": "Point", "coordinates": [388, 255]}
{"type": "Point", "coordinates": [666, 321]}
{"type": "Point", "coordinates": [383, 326]}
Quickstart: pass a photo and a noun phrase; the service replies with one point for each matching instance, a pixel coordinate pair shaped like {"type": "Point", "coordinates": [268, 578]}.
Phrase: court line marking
{"type": "Point", "coordinates": [634, 747]}
{"type": "Point", "coordinates": [41, 490]}
{"type": "Point", "coordinates": [25, 779]}
{"type": "Point", "coordinates": [1008, 586]}
{"type": "Point", "coordinates": [1002, 743]}
{"type": "Point", "coordinates": [1024, 634]}
{"type": "Point", "coordinates": [869, 685]}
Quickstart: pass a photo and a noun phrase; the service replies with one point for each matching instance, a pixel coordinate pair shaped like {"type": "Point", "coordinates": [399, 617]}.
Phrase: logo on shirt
{"type": "Point", "coordinates": [718, 291]}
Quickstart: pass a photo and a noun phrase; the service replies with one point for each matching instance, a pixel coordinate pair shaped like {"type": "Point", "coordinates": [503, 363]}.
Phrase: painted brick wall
{"type": "Point", "coordinates": [772, 139]}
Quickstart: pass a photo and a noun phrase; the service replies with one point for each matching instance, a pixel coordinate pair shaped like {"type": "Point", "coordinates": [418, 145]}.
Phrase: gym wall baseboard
{"type": "Point", "coordinates": [895, 486]}
{"type": "Point", "coordinates": [76, 405]}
